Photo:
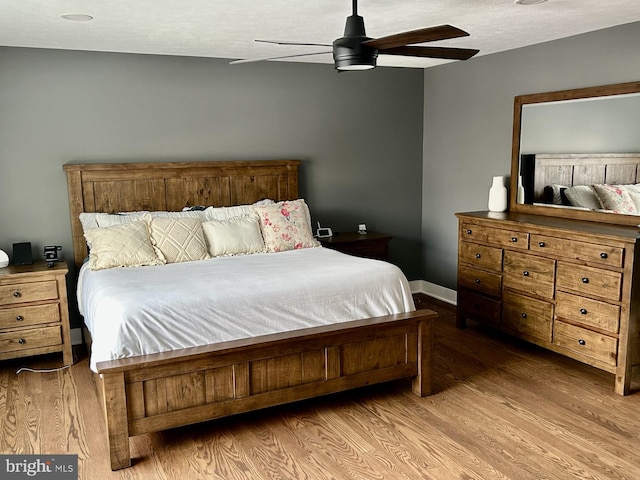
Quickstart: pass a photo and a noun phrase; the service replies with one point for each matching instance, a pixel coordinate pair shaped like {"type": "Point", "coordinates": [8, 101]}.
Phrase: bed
{"type": "Point", "coordinates": [173, 387]}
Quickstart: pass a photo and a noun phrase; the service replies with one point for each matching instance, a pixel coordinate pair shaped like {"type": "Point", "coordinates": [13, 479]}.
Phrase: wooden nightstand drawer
{"type": "Point", "coordinates": [481, 256]}
{"type": "Point", "coordinates": [585, 342]}
{"type": "Point", "coordinates": [29, 338]}
{"type": "Point", "coordinates": [28, 292]}
{"type": "Point", "coordinates": [587, 252]}
{"type": "Point", "coordinates": [529, 274]}
{"type": "Point", "coordinates": [28, 316]}
{"type": "Point", "coordinates": [479, 280]}
{"type": "Point", "coordinates": [591, 313]}
{"type": "Point", "coordinates": [589, 281]}
{"type": "Point", "coordinates": [369, 245]}
{"type": "Point", "coordinates": [496, 236]}
{"type": "Point", "coordinates": [527, 317]}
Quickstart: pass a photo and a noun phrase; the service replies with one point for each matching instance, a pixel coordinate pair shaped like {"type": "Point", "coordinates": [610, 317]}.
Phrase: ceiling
{"type": "Point", "coordinates": [228, 28]}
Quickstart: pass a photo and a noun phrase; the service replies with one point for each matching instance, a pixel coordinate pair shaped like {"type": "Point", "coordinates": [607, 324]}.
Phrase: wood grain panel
{"type": "Point", "coordinates": [219, 384]}
{"type": "Point", "coordinates": [586, 311]}
{"type": "Point", "coordinates": [26, 316]}
{"type": "Point", "coordinates": [30, 338]}
{"type": "Point", "coordinates": [192, 191]}
{"type": "Point", "coordinates": [527, 318]}
{"type": "Point", "coordinates": [373, 355]}
{"type": "Point", "coordinates": [530, 274]}
{"type": "Point", "coordinates": [129, 195]}
{"type": "Point", "coordinates": [586, 342]}
{"type": "Point", "coordinates": [589, 281]}
{"type": "Point", "coordinates": [28, 292]}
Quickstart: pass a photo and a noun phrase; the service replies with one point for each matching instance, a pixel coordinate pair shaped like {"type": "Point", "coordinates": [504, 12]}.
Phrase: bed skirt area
{"type": "Point", "coordinates": [155, 392]}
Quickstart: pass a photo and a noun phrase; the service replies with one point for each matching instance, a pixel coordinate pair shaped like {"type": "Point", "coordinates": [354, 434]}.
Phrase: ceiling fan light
{"type": "Point", "coordinates": [354, 67]}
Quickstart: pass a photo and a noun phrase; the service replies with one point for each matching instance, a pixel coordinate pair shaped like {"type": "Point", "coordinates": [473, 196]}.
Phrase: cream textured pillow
{"type": "Point", "coordinates": [286, 226]}
{"type": "Point", "coordinates": [178, 239]}
{"type": "Point", "coordinates": [127, 245]}
{"type": "Point", "coordinates": [615, 198]}
{"type": "Point", "coordinates": [234, 236]}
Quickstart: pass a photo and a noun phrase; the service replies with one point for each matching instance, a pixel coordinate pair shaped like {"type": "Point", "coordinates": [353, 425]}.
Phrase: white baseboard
{"type": "Point", "coordinates": [433, 290]}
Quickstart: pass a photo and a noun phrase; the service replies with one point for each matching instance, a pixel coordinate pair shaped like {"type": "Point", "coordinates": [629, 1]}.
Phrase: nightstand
{"type": "Point", "coordinates": [34, 313]}
{"type": "Point", "coordinates": [370, 244]}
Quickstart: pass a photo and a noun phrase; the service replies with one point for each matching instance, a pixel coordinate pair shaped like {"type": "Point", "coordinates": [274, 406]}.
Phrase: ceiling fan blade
{"type": "Point", "coordinates": [429, 34]}
{"type": "Point", "coordinates": [252, 60]}
{"type": "Point", "coordinates": [432, 52]}
{"type": "Point", "coordinates": [277, 42]}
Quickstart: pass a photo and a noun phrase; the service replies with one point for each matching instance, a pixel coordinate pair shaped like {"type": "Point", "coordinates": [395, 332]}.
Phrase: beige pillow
{"type": "Point", "coordinates": [286, 226]}
{"type": "Point", "coordinates": [178, 239]}
{"type": "Point", "coordinates": [234, 236]}
{"type": "Point", "coordinates": [583, 196]}
{"type": "Point", "coordinates": [127, 245]}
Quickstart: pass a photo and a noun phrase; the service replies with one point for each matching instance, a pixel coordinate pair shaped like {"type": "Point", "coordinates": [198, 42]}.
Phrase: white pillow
{"type": "Point", "coordinates": [237, 235]}
{"type": "Point", "coordinates": [583, 196]}
{"type": "Point", "coordinates": [225, 213]}
{"type": "Point", "coordinates": [127, 245]}
{"type": "Point", "coordinates": [178, 239]}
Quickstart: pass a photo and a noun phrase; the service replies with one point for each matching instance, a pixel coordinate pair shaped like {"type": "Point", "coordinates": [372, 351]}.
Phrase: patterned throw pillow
{"type": "Point", "coordinates": [286, 226]}
{"type": "Point", "coordinates": [127, 245]}
{"type": "Point", "coordinates": [179, 239]}
{"type": "Point", "coordinates": [615, 198]}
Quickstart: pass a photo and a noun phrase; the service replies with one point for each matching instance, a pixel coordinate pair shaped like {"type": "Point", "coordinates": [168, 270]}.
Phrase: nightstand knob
{"type": "Point", "coordinates": [582, 342]}
{"type": "Point", "coordinates": [541, 244]}
{"type": "Point", "coordinates": [477, 280]}
{"type": "Point", "coordinates": [478, 255]}
{"type": "Point", "coordinates": [22, 341]}
{"type": "Point", "coordinates": [583, 311]}
{"type": "Point", "coordinates": [19, 318]}
{"type": "Point", "coordinates": [523, 315]}
{"type": "Point", "coordinates": [469, 231]}
{"type": "Point", "coordinates": [604, 255]}
{"type": "Point", "coordinates": [17, 294]}
{"type": "Point", "coordinates": [514, 239]}
{"type": "Point", "coordinates": [525, 273]}
{"type": "Point", "coordinates": [585, 280]}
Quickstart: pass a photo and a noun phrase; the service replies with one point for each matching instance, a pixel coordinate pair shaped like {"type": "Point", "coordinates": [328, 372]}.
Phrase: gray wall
{"type": "Point", "coordinates": [468, 115]}
{"type": "Point", "coordinates": [359, 135]}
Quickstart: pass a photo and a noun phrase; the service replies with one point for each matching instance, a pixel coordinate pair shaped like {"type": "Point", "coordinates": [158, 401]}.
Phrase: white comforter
{"type": "Point", "coordinates": [142, 310]}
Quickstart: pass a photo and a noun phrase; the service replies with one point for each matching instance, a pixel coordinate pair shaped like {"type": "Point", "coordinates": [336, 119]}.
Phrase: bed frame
{"type": "Point", "coordinates": [150, 393]}
{"type": "Point", "coordinates": [583, 169]}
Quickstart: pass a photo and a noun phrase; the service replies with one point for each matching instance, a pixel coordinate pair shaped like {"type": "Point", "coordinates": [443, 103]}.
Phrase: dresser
{"type": "Point", "coordinates": [34, 313]}
{"type": "Point", "coordinates": [570, 286]}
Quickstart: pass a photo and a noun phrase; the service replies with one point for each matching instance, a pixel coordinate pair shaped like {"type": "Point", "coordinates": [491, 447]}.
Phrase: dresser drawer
{"type": "Point", "coordinates": [478, 307]}
{"type": "Point", "coordinates": [30, 338]}
{"type": "Point", "coordinates": [584, 251]}
{"type": "Point", "coordinates": [481, 256]}
{"type": "Point", "coordinates": [26, 316]}
{"type": "Point", "coordinates": [589, 281]}
{"type": "Point", "coordinates": [495, 236]}
{"type": "Point", "coordinates": [585, 342]}
{"type": "Point", "coordinates": [490, 283]}
{"type": "Point", "coordinates": [529, 274]}
{"type": "Point", "coordinates": [591, 313]}
{"type": "Point", "coordinates": [526, 317]}
{"type": "Point", "coordinates": [28, 292]}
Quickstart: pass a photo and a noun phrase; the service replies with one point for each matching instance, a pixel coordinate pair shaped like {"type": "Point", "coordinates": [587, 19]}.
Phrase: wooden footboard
{"type": "Point", "coordinates": [156, 392]}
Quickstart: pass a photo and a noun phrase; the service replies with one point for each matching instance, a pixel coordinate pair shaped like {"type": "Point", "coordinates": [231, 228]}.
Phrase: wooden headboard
{"type": "Point", "coordinates": [171, 186]}
{"type": "Point", "coordinates": [584, 169]}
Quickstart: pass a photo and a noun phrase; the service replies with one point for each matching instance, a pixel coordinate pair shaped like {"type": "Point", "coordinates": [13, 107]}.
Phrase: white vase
{"type": "Point", "coordinates": [498, 195]}
{"type": "Point", "coordinates": [520, 194]}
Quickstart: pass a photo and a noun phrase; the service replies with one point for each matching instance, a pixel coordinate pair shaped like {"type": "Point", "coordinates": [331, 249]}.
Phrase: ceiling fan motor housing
{"type": "Point", "coordinates": [348, 51]}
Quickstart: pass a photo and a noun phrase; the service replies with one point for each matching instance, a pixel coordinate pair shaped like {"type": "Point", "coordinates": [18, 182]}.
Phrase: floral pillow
{"type": "Point", "coordinates": [615, 198]}
{"type": "Point", "coordinates": [286, 226]}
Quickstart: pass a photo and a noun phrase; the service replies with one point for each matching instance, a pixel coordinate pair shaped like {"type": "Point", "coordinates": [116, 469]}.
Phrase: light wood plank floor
{"type": "Point", "coordinates": [502, 410]}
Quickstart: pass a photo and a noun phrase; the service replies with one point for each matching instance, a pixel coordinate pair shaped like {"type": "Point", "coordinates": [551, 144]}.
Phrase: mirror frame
{"type": "Point", "coordinates": [574, 94]}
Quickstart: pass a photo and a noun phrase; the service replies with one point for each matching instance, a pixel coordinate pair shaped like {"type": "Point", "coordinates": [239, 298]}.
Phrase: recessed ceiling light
{"type": "Point", "coordinates": [529, 2]}
{"type": "Point", "coordinates": [77, 17]}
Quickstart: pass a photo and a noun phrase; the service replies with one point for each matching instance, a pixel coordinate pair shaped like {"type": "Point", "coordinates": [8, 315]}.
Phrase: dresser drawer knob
{"type": "Point", "coordinates": [477, 280]}
{"type": "Point", "coordinates": [582, 342]}
{"type": "Point", "coordinates": [514, 239]}
{"type": "Point", "coordinates": [17, 294]}
{"type": "Point", "coordinates": [19, 318]}
{"type": "Point", "coordinates": [22, 341]}
{"type": "Point", "coordinates": [523, 315]}
{"type": "Point", "coordinates": [585, 280]}
{"type": "Point", "coordinates": [583, 311]}
{"type": "Point", "coordinates": [525, 273]}
{"type": "Point", "coordinates": [604, 255]}
{"type": "Point", "coordinates": [478, 255]}
{"type": "Point", "coordinates": [541, 244]}
{"type": "Point", "coordinates": [469, 231]}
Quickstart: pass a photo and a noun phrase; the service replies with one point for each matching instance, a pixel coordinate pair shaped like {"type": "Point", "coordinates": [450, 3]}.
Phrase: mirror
{"type": "Point", "coordinates": [575, 138]}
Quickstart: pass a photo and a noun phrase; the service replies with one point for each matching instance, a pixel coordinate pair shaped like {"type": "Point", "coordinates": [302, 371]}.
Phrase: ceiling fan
{"type": "Point", "coordinates": [356, 51]}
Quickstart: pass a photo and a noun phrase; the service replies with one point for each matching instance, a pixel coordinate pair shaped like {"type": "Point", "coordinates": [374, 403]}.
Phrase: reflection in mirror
{"type": "Point", "coordinates": [570, 145]}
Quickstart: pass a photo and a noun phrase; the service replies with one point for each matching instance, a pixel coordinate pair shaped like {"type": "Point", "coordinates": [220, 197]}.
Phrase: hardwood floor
{"type": "Point", "coordinates": [502, 410]}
